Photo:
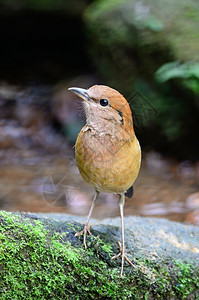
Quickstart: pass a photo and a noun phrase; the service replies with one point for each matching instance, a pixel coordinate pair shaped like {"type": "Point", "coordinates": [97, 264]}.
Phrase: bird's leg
{"type": "Point", "coordinates": [122, 246]}
{"type": "Point", "coordinates": [86, 226]}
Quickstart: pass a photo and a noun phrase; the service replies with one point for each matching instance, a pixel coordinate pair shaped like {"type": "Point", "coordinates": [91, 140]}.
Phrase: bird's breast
{"type": "Point", "coordinates": [106, 162]}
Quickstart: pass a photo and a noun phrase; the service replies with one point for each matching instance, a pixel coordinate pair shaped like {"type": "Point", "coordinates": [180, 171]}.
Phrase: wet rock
{"type": "Point", "coordinates": [192, 202]}
{"type": "Point", "coordinates": [193, 217]}
{"type": "Point", "coordinates": [192, 205]}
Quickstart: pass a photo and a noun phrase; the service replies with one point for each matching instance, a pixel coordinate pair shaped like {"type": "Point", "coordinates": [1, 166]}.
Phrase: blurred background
{"type": "Point", "coordinates": [149, 51]}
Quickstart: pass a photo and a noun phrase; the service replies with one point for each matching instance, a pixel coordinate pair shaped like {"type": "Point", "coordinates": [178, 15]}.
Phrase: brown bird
{"type": "Point", "coordinates": [107, 151]}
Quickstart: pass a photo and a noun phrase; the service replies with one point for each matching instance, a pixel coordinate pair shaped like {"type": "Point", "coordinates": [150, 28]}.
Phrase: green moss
{"type": "Point", "coordinates": [37, 263]}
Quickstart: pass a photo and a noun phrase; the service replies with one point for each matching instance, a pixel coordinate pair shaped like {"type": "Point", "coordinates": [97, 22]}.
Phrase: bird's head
{"type": "Point", "coordinates": [106, 109]}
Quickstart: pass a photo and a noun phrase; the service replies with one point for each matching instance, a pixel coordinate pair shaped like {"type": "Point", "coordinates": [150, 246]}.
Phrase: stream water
{"type": "Point", "coordinates": [41, 182]}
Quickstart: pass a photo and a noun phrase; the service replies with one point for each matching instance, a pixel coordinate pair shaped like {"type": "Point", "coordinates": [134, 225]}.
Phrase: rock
{"type": "Point", "coordinates": [42, 259]}
{"type": "Point", "coordinates": [192, 202]}
{"type": "Point", "coordinates": [193, 217]}
{"type": "Point", "coordinates": [192, 205]}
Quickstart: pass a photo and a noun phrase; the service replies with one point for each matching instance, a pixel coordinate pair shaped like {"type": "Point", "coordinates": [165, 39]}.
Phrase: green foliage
{"type": "Point", "coordinates": [177, 70]}
{"type": "Point", "coordinates": [167, 110]}
{"type": "Point", "coordinates": [37, 263]}
{"type": "Point", "coordinates": [154, 24]}
{"type": "Point", "coordinates": [188, 71]}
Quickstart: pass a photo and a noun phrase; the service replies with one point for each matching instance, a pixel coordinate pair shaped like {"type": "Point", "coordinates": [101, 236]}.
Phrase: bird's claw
{"type": "Point", "coordinates": [84, 232]}
{"type": "Point", "coordinates": [123, 257]}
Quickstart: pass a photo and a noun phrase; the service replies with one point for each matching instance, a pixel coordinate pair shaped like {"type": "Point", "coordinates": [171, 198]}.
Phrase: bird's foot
{"type": "Point", "coordinates": [123, 256]}
{"type": "Point", "coordinates": [84, 232]}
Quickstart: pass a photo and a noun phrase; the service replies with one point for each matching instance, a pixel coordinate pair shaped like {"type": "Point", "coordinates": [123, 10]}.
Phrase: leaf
{"type": "Point", "coordinates": [177, 70]}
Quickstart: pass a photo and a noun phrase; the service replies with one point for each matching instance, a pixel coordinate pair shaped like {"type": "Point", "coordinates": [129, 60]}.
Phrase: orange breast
{"type": "Point", "coordinates": [108, 164]}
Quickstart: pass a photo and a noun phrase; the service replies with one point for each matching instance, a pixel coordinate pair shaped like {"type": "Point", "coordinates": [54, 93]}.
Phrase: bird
{"type": "Point", "coordinates": [107, 151]}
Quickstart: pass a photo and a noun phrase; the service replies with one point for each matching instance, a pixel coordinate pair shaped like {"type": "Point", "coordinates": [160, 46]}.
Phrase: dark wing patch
{"type": "Point", "coordinates": [129, 192]}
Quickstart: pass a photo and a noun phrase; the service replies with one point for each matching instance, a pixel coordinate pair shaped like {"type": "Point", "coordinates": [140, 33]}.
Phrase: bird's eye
{"type": "Point", "coordinates": [104, 102]}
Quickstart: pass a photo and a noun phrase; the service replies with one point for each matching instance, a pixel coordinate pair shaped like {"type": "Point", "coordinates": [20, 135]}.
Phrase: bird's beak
{"type": "Point", "coordinates": [82, 93]}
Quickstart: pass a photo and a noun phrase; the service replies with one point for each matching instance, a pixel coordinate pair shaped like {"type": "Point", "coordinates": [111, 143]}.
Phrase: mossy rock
{"type": "Point", "coordinates": [40, 258]}
{"type": "Point", "coordinates": [148, 24]}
